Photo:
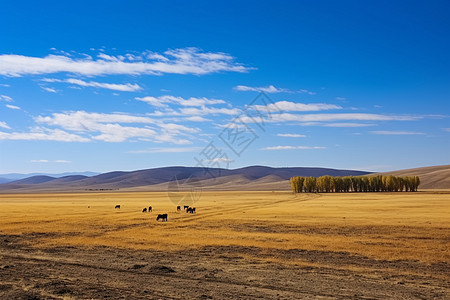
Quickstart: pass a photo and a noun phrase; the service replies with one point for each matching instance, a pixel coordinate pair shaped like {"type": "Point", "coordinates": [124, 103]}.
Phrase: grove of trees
{"type": "Point", "coordinates": [330, 184]}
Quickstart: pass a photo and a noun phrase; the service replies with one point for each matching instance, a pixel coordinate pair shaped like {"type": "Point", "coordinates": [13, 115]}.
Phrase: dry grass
{"type": "Point", "coordinates": [397, 226]}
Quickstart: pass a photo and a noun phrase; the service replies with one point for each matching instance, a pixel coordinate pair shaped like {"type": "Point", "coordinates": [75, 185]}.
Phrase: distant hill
{"type": "Point", "coordinates": [248, 178]}
{"type": "Point", "coordinates": [436, 177]}
{"type": "Point", "coordinates": [253, 177]}
{"type": "Point", "coordinates": [16, 176]}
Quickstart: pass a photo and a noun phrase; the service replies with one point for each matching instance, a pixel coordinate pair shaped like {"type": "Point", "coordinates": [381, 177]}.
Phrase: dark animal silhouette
{"type": "Point", "coordinates": [150, 209]}
{"type": "Point", "coordinates": [145, 209]}
{"type": "Point", "coordinates": [178, 208]}
{"type": "Point", "coordinates": [186, 207]}
{"type": "Point", "coordinates": [162, 217]}
{"type": "Point", "coordinates": [193, 210]}
{"type": "Point", "coordinates": [190, 210]}
{"type": "Point", "coordinates": [117, 206]}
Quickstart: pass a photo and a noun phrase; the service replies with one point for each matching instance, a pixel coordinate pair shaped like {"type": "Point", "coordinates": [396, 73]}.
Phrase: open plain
{"type": "Point", "coordinates": [238, 245]}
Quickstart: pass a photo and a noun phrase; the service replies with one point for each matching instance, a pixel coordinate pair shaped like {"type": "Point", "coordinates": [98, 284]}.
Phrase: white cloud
{"type": "Point", "coordinates": [43, 134]}
{"type": "Point", "coordinates": [108, 127]}
{"type": "Point", "coordinates": [177, 61]}
{"type": "Point", "coordinates": [6, 98]}
{"type": "Point", "coordinates": [221, 159]}
{"type": "Point", "coordinates": [60, 161]}
{"type": "Point", "coordinates": [127, 87]}
{"type": "Point", "coordinates": [288, 117]}
{"type": "Point", "coordinates": [292, 106]}
{"type": "Point", "coordinates": [162, 101]}
{"type": "Point", "coordinates": [291, 135]}
{"type": "Point", "coordinates": [347, 125]}
{"type": "Point", "coordinates": [50, 90]}
{"type": "Point", "coordinates": [209, 111]}
{"type": "Point", "coordinates": [168, 150]}
{"type": "Point", "coordinates": [197, 119]}
{"type": "Point", "coordinates": [293, 148]}
{"type": "Point", "coordinates": [4, 125]}
{"type": "Point", "coordinates": [270, 89]}
{"type": "Point", "coordinates": [12, 106]}
{"type": "Point", "coordinates": [387, 132]}
{"type": "Point", "coordinates": [4, 85]}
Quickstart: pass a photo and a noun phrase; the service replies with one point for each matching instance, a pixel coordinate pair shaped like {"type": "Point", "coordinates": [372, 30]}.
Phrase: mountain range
{"type": "Point", "coordinates": [167, 178]}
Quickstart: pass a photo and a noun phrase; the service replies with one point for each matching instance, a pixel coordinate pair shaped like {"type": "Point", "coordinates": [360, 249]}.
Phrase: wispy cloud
{"type": "Point", "coordinates": [446, 129]}
{"type": "Point", "coordinates": [348, 125]}
{"type": "Point", "coordinates": [177, 61]}
{"type": "Point", "coordinates": [270, 89]}
{"type": "Point", "coordinates": [6, 98]}
{"type": "Point", "coordinates": [209, 111]}
{"type": "Point", "coordinates": [4, 125]}
{"type": "Point", "coordinates": [127, 87]}
{"type": "Point", "coordinates": [167, 150]}
{"type": "Point", "coordinates": [387, 132]}
{"type": "Point", "coordinates": [48, 89]}
{"type": "Point", "coordinates": [291, 135]}
{"type": "Point", "coordinates": [59, 161]}
{"type": "Point", "coordinates": [288, 117]}
{"type": "Point", "coordinates": [43, 134]}
{"type": "Point", "coordinates": [12, 106]}
{"type": "Point", "coordinates": [293, 148]}
{"type": "Point", "coordinates": [293, 106]}
{"type": "Point", "coordinates": [162, 101]}
{"type": "Point", "coordinates": [108, 128]}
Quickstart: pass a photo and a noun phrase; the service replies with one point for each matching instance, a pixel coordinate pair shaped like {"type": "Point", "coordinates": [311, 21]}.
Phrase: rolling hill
{"type": "Point", "coordinates": [254, 177]}
{"type": "Point", "coordinates": [436, 177]}
{"type": "Point", "coordinates": [247, 178]}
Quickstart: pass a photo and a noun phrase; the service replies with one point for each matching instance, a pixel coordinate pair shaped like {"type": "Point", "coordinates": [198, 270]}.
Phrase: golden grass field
{"type": "Point", "coordinates": [397, 234]}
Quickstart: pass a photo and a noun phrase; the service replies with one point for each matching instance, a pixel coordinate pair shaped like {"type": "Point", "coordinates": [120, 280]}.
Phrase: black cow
{"type": "Point", "coordinates": [185, 207]}
{"type": "Point", "coordinates": [145, 209]}
{"type": "Point", "coordinates": [162, 217]}
{"type": "Point", "coordinates": [117, 206]}
{"type": "Point", "coordinates": [178, 208]}
{"type": "Point", "coordinates": [190, 210]}
{"type": "Point", "coordinates": [150, 209]}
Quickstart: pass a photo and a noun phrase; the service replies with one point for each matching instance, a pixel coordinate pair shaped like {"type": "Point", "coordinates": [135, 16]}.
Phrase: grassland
{"type": "Point", "coordinates": [238, 244]}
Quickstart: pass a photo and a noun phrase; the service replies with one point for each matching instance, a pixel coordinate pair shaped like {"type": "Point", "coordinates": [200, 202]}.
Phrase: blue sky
{"type": "Point", "coordinates": [116, 85]}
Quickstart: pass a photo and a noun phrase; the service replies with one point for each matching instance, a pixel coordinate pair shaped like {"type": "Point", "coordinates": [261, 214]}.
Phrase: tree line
{"type": "Point", "coordinates": [330, 184]}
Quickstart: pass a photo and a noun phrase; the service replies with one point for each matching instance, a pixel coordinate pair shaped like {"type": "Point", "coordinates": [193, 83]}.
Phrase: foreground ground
{"type": "Point", "coordinates": [237, 245]}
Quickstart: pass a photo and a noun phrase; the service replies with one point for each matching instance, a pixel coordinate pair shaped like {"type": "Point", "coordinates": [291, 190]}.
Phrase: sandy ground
{"type": "Point", "coordinates": [243, 245]}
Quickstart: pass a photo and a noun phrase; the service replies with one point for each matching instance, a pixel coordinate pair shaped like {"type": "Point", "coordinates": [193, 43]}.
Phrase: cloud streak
{"type": "Point", "coordinates": [294, 148]}
{"type": "Point", "coordinates": [4, 125]}
{"type": "Point", "coordinates": [270, 89]}
{"type": "Point", "coordinates": [109, 128]}
{"type": "Point", "coordinates": [127, 87]}
{"type": "Point", "coordinates": [291, 135]}
{"type": "Point", "coordinates": [163, 101]}
{"type": "Point", "coordinates": [176, 61]}
{"type": "Point", "coordinates": [43, 134]}
{"type": "Point", "coordinates": [387, 132]}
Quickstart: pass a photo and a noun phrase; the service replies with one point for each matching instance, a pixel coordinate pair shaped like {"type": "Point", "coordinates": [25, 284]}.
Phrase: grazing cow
{"type": "Point", "coordinates": [162, 217]}
{"type": "Point", "coordinates": [178, 208]}
{"type": "Point", "coordinates": [145, 209]}
{"type": "Point", "coordinates": [117, 206]}
{"type": "Point", "coordinates": [193, 210]}
{"type": "Point", "coordinates": [150, 209]}
{"type": "Point", "coordinates": [190, 210]}
{"type": "Point", "coordinates": [185, 207]}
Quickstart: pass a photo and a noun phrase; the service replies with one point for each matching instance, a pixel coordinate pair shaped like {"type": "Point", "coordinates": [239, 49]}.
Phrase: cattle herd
{"type": "Point", "coordinates": [163, 217]}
